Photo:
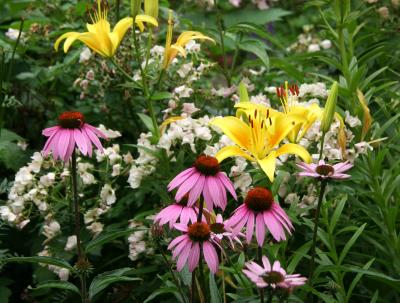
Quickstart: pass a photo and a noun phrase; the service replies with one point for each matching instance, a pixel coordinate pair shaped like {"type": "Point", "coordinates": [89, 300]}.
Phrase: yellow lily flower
{"type": "Point", "coordinates": [172, 50]}
{"type": "Point", "coordinates": [99, 36]}
{"type": "Point", "coordinates": [310, 113]}
{"type": "Point", "coordinates": [258, 138]}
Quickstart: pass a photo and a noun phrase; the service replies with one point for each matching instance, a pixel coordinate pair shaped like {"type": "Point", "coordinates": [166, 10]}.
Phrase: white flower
{"type": "Point", "coordinates": [350, 120]}
{"type": "Point", "coordinates": [183, 91]}
{"type": "Point", "coordinates": [6, 214]}
{"type": "Point", "coordinates": [116, 170]}
{"type": "Point", "coordinates": [85, 55]}
{"type": "Point", "coordinates": [48, 179]}
{"type": "Point", "coordinates": [363, 147]}
{"type": "Point", "coordinates": [325, 44]}
{"type": "Point", "coordinates": [157, 50]}
{"type": "Point", "coordinates": [63, 274]}
{"type": "Point", "coordinates": [111, 134]}
{"type": "Point", "coordinates": [22, 224]}
{"type": "Point", "coordinates": [13, 34]}
{"type": "Point", "coordinates": [92, 215]}
{"type": "Point", "coordinates": [316, 90]}
{"type": "Point", "coordinates": [95, 228]}
{"type": "Point", "coordinates": [37, 161]}
{"type": "Point", "coordinates": [313, 48]}
{"type": "Point", "coordinates": [51, 229]}
{"type": "Point", "coordinates": [22, 144]}
{"type": "Point", "coordinates": [128, 159]}
{"type": "Point", "coordinates": [185, 69]}
{"type": "Point", "coordinates": [107, 194]}
{"type": "Point", "coordinates": [235, 3]}
{"type": "Point", "coordinates": [71, 243]}
{"type": "Point", "coordinates": [260, 99]}
{"type": "Point", "coordinates": [192, 46]}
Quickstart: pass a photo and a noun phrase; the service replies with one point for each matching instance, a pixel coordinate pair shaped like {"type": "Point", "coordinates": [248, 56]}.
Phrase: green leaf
{"type": "Point", "coordinates": [214, 293]}
{"type": "Point", "coordinates": [337, 213]}
{"type": "Point", "coordinates": [161, 96]}
{"type": "Point", "coordinates": [45, 260]}
{"type": "Point", "coordinates": [166, 290]}
{"type": "Point", "coordinates": [356, 279]}
{"type": "Point", "coordinates": [58, 284]}
{"type": "Point", "coordinates": [243, 94]}
{"type": "Point", "coordinates": [257, 48]}
{"type": "Point", "coordinates": [108, 237]}
{"type": "Point", "coordinates": [147, 122]}
{"type": "Point", "coordinates": [351, 242]}
{"type": "Point", "coordinates": [102, 281]}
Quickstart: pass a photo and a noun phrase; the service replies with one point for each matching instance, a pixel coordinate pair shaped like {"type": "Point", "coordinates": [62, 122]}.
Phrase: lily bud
{"type": "Point", "coordinates": [151, 8]}
{"type": "Point", "coordinates": [243, 94]}
{"type": "Point", "coordinates": [135, 7]}
{"type": "Point", "coordinates": [330, 106]}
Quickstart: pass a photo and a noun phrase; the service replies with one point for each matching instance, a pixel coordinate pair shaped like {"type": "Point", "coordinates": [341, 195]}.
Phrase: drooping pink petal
{"type": "Point", "coordinates": [305, 174]}
{"type": "Point", "coordinates": [213, 189]}
{"type": "Point", "coordinates": [92, 137]}
{"type": "Point", "coordinates": [222, 193]}
{"type": "Point", "coordinates": [180, 178]}
{"type": "Point", "coordinates": [63, 143]}
{"type": "Point", "coordinates": [278, 210]}
{"type": "Point", "coordinates": [181, 227]}
{"type": "Point", "coordinates": [54, 145]}
{"type": "Point", "coordinates": [255, 268]}
{"type": "Point", "coordinates": [49, 143]}
{"type": "Point", "coordinates": [194, 256]}
{"type": "Point", "coordinates": [186, 186]}
{"type": "Point", "coordinates": [196, 190]}
{"type": "Point", "coordinates": [211, 257]}
{"type": "Point", "coordinates": [70, 148]}
{"type": "Point", "coordinates": [260, 229]}
{"type": "Point", "coordinates": [276, 266]}
{"type": "Point", "coordinates": [169, 214]}
{"type": "Point", "coordinates": [98, 132]}
{"type": "Point", "coordinates": [207, 196]}
{"type": "Point", "coordinates": [80, 141]}
{"type": "Point", "coordinates": [183, 256]}
{"type": "Point", "coordinates": [250, 227]}
{"type": "Point", "coordinates": [227, 183]}
{"type": "Point", "coordinates": [340, 176]}
{"type": "Point", "coordinates": [186, 243]}
{"type": "Point", "coordinates": [50, 131]}
{"type": "Point", "coordinates": [88, 143]}
{"type": "Point", "coordinates": [274, 226]}
{"type": "Point", "coordinates": [243, 220]}
{"type": "Point", "coordinates": [185, 216]}
{"type": "Point", "coordinates": [176, 241]}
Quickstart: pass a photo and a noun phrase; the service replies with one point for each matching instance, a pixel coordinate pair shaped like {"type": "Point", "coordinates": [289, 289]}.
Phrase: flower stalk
{"type": "Point", "coordinates": [81, 255]}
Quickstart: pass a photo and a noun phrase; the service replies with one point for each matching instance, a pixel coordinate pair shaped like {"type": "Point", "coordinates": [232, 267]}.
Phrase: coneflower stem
{"type": "Point", "coordinates": [81, 255]}
{"type": "Point", "coordinates": [316, 220]}
{"type": "Point", "coordinates": [259, 255]}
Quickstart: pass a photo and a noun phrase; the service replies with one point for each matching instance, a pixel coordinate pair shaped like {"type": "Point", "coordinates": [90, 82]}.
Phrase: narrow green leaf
{"type": "Point", "coordinates": [337, 213]}
{"type": "Point", "coordinates": [351, 242]}
{"type": "Point", "coordinates": [147, 122]}
{"type": "Point", "coordinates": [257, 48]}
{"type": "Point", "coordinates": [102, 281]}
{"type": "Point", "coordinates": [58, 284]}
{"type": "Point", "coordinates": [161, 96]}
{"type": "Point", "coordinates": [214, 293]}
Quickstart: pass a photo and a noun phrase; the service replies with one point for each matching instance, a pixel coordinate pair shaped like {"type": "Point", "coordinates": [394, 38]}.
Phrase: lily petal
{"type": "Point", "coordinates": [268, 165]}
{"type": "Point", "coordinates": [235, 129]}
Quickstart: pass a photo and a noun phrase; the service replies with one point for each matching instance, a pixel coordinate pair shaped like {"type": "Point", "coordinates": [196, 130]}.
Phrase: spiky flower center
{"type": "Point", "coordinates": [325, 170]}
{"type": "Point", "coordinates": [71, 120]}
{"type": "Point", "coordinates": [273, 277]}
{"type": "Point", "coordinates": [217, 228]}
{"type": "Point", "coordinates": [259, 199]}
{"type": "Point", "coordinates": [199, 231]}
{"type": "Point", "coordinates": [207, 165]}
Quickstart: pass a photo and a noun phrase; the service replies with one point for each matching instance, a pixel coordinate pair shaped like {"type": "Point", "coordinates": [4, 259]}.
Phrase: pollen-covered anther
{"type": "Point", "coordinates": [325, 170]}
{"type": "Point", "coordinates": [207, 165]}
{"type": "Point", "coordinates": [71, 120]}
{"type": "Point", "coordinates": [199, 231]}
{"type": "Point", "coordinates": [273, 277]}
{"type": "Point", "coordinates": [259, 199]}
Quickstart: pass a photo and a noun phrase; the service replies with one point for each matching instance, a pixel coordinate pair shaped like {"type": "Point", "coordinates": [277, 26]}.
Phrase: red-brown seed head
{"type": "Point", "coordinates": [207, 165]}
{"type": "Point", "coordinates": [259, 199]}
{"type": "Point", "coordinates": [199, 231]}
{"type": "Point", "coordinates": [325, 170]}
{"type": "Point", "coordinates": [273, 277]}
{"type": "Point", "coordinates": [217, 228]}
{"type": "Point", "coordinates": [71, 119]}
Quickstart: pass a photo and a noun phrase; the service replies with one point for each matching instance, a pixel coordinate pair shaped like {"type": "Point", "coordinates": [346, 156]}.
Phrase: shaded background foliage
{"type": "Point", "coordinates": [37, 85]}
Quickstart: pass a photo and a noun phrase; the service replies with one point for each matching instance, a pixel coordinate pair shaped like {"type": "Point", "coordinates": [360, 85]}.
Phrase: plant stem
{"type": "Point", "coordinates": [220, 27]}
{"type": "Point", "coordinates": [173, 274]}
{"type": "Point", "coordinates": [81, 255]}
{"type": "Point", "coordinates": [156, 130]}
{"type": "Point", "coordinates": [192, 288]}
{"type": "Point", "coordinates": [322, 145]}
{"type": "Point", "coordinates": [316, 220]}
{"type": "Point", "coordinates": [259, 255]}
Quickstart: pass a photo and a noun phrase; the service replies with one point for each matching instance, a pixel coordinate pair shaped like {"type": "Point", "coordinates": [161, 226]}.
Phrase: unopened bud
{"type": "Point", "coordinates": [135, 7]}
{"type": "Point", "coordinates": [151, 8]}
{"type": "Point", "coordinates": [330, 108]}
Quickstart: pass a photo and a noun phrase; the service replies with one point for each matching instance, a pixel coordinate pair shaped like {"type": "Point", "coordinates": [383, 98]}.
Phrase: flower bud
{"type": "Point", "coordinates": [151, 8]}
{"type": "Point", "coordinates": [135, 7]}
{"type": "Point", "coordinates": [330, 107]}
{"type": "Point", "coordinates": [243, 94]}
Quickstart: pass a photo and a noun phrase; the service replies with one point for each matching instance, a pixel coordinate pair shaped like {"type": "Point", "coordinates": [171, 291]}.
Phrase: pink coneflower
{"type": "Point", "coordinates": [187, 246]}
{"type": "Point", "coordinates": [324, 170]}
{"type": "Point", "coordinates": [204, 178]}
{"type": "Point", "coordinates": [178, 210]}
{"type": "Point", "coordinates": [72, 131]}
{"type": "Point", "coordinates": [220, 230]}
{"type": "Point", "coordinates": [260, 210]}
{"type": "Point", "coordinates": [273, 276]}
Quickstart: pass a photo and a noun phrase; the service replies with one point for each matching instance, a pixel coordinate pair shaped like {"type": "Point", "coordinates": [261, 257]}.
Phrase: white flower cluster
{"type": "Point", "coordinates": [309, 42]}
{"type": "Point", "coordinates": [62, 273]}
{"type": "Point", "coordinates": [137, 243]}
{"type": "Point", "coordinates": [185, 131]}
